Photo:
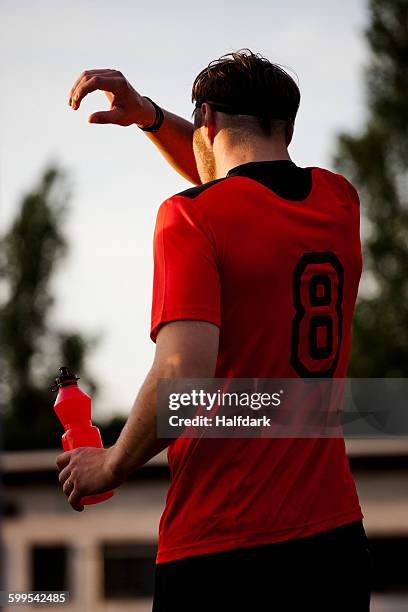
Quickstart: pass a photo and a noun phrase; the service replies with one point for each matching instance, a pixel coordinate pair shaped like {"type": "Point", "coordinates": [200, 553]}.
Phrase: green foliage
{"type": "Point", "coordinates": [32, 351]}
{"type": "Point", "coordinates": [376, 160]}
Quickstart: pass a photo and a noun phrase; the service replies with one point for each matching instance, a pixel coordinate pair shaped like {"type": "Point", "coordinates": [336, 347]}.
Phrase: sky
{"type": "Point", "coordinates": [118, 179]}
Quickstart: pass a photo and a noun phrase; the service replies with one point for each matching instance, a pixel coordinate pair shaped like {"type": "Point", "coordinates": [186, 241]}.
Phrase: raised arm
{"type": "Point", "coordinates": [127, 107]}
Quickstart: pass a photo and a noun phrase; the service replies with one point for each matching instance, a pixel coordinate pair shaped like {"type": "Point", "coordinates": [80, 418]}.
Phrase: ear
{"type": "Point", "coordinates": [208, 121]}
{"type": "Point", "coordinates": [290, 126]}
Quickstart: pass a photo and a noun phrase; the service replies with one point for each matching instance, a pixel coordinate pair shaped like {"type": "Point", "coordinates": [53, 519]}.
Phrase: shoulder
{"type": "Point", "coordinates": [191, 208]}
{"type": "Point", "coordinates": [195, 192]}
{"type": "Point", "coordinates": [193, 203]}
{"type": "Point", "coordinates": [340, 182]}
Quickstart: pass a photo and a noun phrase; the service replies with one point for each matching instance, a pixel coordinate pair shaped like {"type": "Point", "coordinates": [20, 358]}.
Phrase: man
{"type": "Point", "coordinates": [256, 275]}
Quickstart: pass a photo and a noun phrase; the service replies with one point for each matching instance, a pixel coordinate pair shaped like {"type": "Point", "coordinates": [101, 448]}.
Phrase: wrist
{"type": "Point", "coordinates": [158, 119]}
{"type": "Point", "coordinates": [148, 114]}
{"type": "Point", "coordinates": [116, 464]}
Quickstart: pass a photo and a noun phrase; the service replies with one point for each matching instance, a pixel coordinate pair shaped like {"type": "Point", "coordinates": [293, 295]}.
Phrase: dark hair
{"type": "Point", "coordinates": [247, 83]}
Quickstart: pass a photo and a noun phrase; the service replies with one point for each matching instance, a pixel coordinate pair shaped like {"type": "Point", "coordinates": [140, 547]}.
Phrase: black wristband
{"type": "Point", "coordinates": [158, 120]}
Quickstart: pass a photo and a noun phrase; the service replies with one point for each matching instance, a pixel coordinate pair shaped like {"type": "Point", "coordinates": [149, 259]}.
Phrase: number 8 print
{"type": "Point", "coordinates": [317, 326]}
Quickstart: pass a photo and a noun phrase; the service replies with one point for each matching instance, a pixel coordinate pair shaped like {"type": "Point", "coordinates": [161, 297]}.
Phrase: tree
{"type": "Point", "coordinates": [376, 160]}
{"type": "Point", "coordinates": [31, 350]}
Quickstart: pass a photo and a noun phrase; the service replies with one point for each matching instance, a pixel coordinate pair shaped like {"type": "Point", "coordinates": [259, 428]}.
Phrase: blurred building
{"type": "Point", "coordinates": [105, 555]}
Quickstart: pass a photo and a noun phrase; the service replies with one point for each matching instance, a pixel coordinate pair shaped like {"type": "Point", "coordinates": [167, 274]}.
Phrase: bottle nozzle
{"type": "Point", "coordinates": [66, 377]}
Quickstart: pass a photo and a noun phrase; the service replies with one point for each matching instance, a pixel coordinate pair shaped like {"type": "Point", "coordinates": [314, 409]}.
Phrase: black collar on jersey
{"type": "Point", "coordinates": [281, 176]}
{"type": "Point", "coordinates": [250, 168]}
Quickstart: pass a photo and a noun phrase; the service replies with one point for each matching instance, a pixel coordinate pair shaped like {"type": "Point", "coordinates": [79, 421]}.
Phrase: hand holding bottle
{"type": "Point", "coordinates": [86, 474]}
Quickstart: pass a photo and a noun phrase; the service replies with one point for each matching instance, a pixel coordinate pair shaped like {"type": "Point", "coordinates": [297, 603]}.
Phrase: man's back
{"type": "Point", "coordinates": [271, 254]}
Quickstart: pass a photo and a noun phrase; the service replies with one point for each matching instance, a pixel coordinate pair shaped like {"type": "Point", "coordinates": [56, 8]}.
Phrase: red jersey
{"type": "Point", "coordinates": [271, 254]}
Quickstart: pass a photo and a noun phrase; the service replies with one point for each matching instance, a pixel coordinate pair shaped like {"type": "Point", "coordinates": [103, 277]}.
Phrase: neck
{"type": "Point", "coordinates": [229, 155]}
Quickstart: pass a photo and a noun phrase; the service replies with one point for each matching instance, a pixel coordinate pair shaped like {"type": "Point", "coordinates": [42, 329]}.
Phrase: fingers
{"type": "Point", "coordinates": [63, 459]}
{"type": "Point", "coordinates": [64, 474]}
{"type": "Point", "coordinates": [88, 85]}
{"type": "Point", "coordinates": [68, 487]}
{"type": "Point", "coordinates": [74, 500]}
{"type": "Point", "coordinates": [67, 478]}
{"type": "Point", "coordinates": [72, 492]}
{"type": "Point", "coordinates": [84, 75]}
{"type": "Point", "coordinates": [111, 116]}
{"type": "Point", "coordinates": [110, 81]}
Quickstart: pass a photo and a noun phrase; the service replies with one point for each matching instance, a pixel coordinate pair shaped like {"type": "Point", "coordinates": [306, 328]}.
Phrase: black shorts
{"type": "Point", "coordinates": [330, 571]}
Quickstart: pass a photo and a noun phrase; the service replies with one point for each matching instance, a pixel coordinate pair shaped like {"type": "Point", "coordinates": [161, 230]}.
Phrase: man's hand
{"type": "Point", "coordinates": [174, 139]}
{"type": "Point", "coordinates": [86, 471]}
{"type": "Point", "coordinates": [127, 105]}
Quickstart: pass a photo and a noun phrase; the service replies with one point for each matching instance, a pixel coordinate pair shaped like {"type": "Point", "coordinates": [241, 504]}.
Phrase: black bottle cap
{"type": "Point", "coordinates": [66, 377]}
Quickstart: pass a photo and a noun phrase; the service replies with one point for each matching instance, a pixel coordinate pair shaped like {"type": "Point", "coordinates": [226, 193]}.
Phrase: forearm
{"type": "Point", "coordinates": [185, 349]}
{"type": "Point", "coordinates": [175, 142]}
{"type": "Point", "coordinates": [138, 440]}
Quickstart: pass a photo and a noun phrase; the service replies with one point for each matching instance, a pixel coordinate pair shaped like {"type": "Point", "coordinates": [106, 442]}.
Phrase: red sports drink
{"type": "Point", "coordinates": [73, 408]}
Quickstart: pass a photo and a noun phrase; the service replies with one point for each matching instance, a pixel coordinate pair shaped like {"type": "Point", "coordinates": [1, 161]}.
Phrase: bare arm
{"type": "Point", "coordinates": [174, 139]}
{"type": "Point", "coordinates": [184, 349]}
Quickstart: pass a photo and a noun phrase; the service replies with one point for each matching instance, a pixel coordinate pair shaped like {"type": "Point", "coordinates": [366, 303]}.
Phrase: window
{"type": "Point", "coordinates": [129, 569]}
{"type": "Point", "coordinates": [49, 568]}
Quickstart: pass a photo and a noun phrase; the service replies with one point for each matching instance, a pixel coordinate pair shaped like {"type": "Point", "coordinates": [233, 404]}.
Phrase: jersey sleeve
{"type": "Point", "coordinates": [186, 282]}
{"type": "Point", "coordinates": [351, 191]}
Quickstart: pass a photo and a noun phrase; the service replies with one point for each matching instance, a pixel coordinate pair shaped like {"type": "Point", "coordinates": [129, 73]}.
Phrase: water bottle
{"type": "Point", "coordinates": [73, 408]}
